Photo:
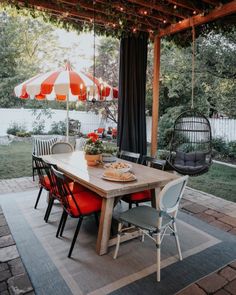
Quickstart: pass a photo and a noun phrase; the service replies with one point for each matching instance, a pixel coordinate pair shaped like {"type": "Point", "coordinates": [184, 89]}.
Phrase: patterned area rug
{"type": "Point", "coordinates": [205, 249]}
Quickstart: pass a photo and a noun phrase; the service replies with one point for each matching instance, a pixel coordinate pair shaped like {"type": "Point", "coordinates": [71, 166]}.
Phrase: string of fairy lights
{"type": "Point", "coordinates": [120, 17]}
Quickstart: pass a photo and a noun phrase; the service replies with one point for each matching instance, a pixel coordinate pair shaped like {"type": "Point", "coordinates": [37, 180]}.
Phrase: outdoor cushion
{"type": "Point", "coordinates": [88, 202]}
{"type": "Point", "coordinates": [144, 217]}
{"type": "Point", "coordinates": [192, 169]}
{"type": "Point", "coordinates": [193, 159]}
{"type": "Point", "coordinates": [139, 196]}
{"type": "Point", "coordinates": [75, 187]}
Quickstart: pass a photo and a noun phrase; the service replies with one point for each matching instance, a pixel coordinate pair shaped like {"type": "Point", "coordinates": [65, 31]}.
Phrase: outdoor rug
{"type": "Point", "coordinates": [205, 249]}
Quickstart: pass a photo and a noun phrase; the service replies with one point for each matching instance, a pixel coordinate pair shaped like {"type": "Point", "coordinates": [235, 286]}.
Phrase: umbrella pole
{"type": "Point", "coordinates": [67, 118]}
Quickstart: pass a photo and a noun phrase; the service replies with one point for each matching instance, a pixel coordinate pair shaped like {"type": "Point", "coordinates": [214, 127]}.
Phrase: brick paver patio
{"type": "Point", "coordinates": [13, 276]}
{"type": "Point", "coordinates": [213, 210]}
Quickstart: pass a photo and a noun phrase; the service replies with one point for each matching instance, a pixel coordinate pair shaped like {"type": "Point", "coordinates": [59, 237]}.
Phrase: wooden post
{"type": "Point", "coordinates": [156, 90]}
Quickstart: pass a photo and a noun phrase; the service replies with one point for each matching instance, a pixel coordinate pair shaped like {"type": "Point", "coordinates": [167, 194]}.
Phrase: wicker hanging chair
{"type": "Point", "coordinates": [191, 144]}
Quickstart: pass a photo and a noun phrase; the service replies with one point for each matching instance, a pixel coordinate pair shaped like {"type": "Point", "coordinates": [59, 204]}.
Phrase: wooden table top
{"type": "Point", "coordinates": [75, 166]}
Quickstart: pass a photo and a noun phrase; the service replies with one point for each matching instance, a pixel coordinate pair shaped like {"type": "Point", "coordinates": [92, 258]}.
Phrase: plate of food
{"type": "Point", "coordinates": [112, 175]}
{"type": "Point", "coordinates": [121, 167]}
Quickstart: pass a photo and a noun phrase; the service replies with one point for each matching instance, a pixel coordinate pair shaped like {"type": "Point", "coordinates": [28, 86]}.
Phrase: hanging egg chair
{"type": "Point", "coordinates": [191, 147]}
{"type": "Point", "coordinates": [191, 143]}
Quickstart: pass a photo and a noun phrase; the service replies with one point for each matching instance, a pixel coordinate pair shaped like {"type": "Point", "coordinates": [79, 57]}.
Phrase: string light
{"type": "Point", "coordinates": [121, 8]}
{"type": "Point", "coordinates": [134, 30]}
{"type": "Point", "coordinates": [164, 21]}
{"type": "Point", "coordinates": [114, 25]}
{"type": "Point", "coordinates": [175, 6]}
{"type": "Point", "coordinates": [145, 12]}
{"type": "Point", "coordinates": [194, 12]}
{"type": "Point", "coordinates": [180, 22]}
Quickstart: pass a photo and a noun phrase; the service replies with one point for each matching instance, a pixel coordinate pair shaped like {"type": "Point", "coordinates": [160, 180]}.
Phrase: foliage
{"type": "Point", "coordinates": [109, 149]}
{"type": "Point", "coordinates": [93, 145]}
{"type": "Point", "coordinates": [58, 128]}
{"type": "Point", "coordinates": [15, 128]}
{"type": "Point", "coordinates": [25, 52]}
{"type": "Point", "coordinates": [23, 134]}
{"type": "Point", "coordinates": [232, 149]}
{"type": "Point", "coordinates": [38, 127]}
{"type": "Point", "coordinates": [220, 146]}
{"type": "Point", "coordinates": [166, 126]}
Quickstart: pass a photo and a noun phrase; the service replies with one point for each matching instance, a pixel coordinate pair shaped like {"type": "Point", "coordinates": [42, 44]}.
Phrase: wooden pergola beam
{"type": "Point", "coordinates": [134, 12]}
{"type": "Point", "coordinates": [71, 13]}
{"type": "Point", "coordinates": [98, 9]}
{"type": "Point", "coordinates": [219, 12]}
{"type": "Point", "coordinates": [159, 8]}
{"type": "Point", "coordinates": [190, 5]}
{"type": "Point", "coordinates": [212, 2]}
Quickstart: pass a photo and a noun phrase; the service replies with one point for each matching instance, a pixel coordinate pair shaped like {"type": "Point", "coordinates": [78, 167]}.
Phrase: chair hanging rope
{"type": "Point", "coordinates": [193, 64]}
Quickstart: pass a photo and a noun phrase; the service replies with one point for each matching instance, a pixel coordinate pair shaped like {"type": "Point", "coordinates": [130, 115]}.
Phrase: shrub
{"type": "Point", "coordinates": [58, 128]}
{"type": "Point", "coordinates": [220, 146]}
{"type": "Point", "coordinates": [232, 149]}
{"type": "Point", "coordinates": [38, 127]}
{"type": "Point", "coordinates": [23, 134]}
{"type": "Point", "coordinates": [15, 128]}
{"type": "Point", "coordinates": [166, 126]}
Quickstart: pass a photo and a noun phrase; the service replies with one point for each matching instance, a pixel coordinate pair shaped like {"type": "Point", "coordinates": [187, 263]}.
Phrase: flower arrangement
{"type": "Point", "coordinates": [93, 145]}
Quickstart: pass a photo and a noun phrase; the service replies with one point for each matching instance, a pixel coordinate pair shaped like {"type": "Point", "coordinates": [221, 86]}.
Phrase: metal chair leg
{"type": "Point", "coordinates": [63, 224]}
{"type": "Point", "coordinates": [158, 245]}
{"type": "Point", "coordinates": [75, 236]}
{"type": "Point", "coordinates": [51, 202]}
{"type": "Point", "coordinates": [39, 194]}
{"type": "Point", "coordinates": [118, 240]}
{"type": "Point", "coordinates": [177, 241]}
{"type": "Point", "coordinates": [60, 223]}
{"type": "Point", "coordinates": [130, 205]}
{"type": "Point", "coordinates": [46, 213]}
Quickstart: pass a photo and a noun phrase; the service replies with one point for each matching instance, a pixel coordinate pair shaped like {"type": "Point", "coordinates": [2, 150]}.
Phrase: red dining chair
{"type": "Point", "coordinates": [77, 205]}
{"type": "Point", "coordinates": [143, 196]}
{"type": "Point", "coordinates": [43, 176]}
{"type": "Point", "coordinates": [46, 182]}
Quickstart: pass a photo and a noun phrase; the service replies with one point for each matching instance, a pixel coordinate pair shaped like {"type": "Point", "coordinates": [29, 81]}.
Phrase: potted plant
{"type": "Point", "coordinates": [93, 149]}
{"type": "Point", "coordinates": [109, 153]}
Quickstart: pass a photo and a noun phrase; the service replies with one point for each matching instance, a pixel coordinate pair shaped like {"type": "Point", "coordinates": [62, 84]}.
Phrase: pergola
{"type": "Point", "coordinates": [158, 18]}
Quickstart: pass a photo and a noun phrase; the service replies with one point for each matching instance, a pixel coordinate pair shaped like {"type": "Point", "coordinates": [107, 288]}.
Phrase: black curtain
{"type": "Point", "coordinates": [132, 91]}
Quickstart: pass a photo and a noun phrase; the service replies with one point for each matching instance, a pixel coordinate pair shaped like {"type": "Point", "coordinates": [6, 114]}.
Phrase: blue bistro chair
{"type": "Point", "coordinates": [155, 223]}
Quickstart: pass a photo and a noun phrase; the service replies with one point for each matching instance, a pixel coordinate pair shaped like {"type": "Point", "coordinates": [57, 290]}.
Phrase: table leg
{"type": "Point", "coordinates": [155, 192]}
{"type": "Point", "coordinates": [104, 226]}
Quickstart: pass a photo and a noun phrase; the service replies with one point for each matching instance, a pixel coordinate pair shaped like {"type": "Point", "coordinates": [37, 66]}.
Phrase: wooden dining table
{"type": "Point", "coordinates": [75, 167]}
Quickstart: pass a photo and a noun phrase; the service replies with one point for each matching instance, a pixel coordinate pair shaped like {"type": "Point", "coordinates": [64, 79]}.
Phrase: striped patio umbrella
{"type": "Point", "coordinates": [66, 85]}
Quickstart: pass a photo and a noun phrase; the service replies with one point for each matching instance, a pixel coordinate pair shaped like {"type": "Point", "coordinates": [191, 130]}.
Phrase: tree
{"type": "Point", "coordinates": [27, 47]}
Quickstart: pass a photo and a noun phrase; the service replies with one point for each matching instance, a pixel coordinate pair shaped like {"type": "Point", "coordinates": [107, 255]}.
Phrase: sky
{"type": "Point", "coordinates": [81, 52]}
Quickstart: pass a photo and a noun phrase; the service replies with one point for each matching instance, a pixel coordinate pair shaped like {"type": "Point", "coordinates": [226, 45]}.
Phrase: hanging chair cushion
{"type": "Point", "coordinates": [190, 162]}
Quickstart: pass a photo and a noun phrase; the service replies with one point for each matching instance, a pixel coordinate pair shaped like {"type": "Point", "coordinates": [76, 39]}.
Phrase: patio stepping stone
{"type": "Point", "coordinates": [6, 241]}
{"type": "Point", "coordinates": [212, 283]}
{"type": "Point", "coordinates": [229, 220]}
{"type": "Point", "coordinates": [228, 273]}
{"type": "Point", "coordinates": [195, 208]}
{"type": "Point", "coordinates": [231, 287]}
{"type": "Point", "coordinates": [192, 290]}
{"type": "Point", "coordinates": [19, 284]}
{"type": "Point", "coordinates": [8, 253]}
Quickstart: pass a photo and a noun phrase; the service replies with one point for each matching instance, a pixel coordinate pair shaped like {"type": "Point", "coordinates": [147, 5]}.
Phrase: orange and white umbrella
{"type": "Point", "coordinates": [66, 85]}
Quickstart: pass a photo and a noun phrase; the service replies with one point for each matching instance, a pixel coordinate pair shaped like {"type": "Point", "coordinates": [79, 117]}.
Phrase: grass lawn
{"type": "Point", "coordinates": [15, 160]}
{"type": "Point", "coordinates": [219, 181]}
